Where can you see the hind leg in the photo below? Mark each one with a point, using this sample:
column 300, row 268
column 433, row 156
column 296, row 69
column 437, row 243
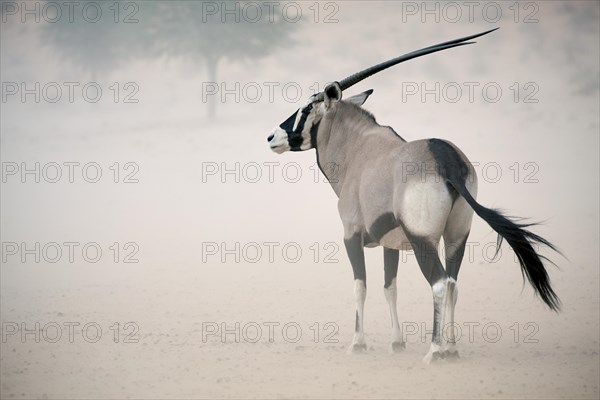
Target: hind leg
column 432, row 269
column 390, row 265
column 455, row 251
column 456, row 233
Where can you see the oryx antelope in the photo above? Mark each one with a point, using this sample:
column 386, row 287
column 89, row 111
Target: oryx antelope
column 402, row 195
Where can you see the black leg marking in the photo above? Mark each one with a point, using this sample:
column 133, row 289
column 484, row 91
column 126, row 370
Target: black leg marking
column 354, row 248
column 428, row 259
column 390, row 265
column 433, row 270
column 427, row 256
column 454, row 256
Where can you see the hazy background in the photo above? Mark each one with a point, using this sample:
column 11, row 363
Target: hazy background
column 175, row 210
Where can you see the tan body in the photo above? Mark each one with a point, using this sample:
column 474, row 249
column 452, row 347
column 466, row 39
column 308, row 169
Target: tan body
column 391, row 175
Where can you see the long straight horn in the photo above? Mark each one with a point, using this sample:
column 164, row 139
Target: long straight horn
column 354, row 79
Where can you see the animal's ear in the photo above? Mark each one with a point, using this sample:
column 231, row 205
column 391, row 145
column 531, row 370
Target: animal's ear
column 332, row 93
column 360, row 99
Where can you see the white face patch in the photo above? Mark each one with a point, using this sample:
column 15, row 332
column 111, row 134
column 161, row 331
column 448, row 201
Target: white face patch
column 298, row 116
column 279, row 143
column 306, row 145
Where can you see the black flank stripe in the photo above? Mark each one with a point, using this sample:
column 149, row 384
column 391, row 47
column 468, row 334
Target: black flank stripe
column 382, row 225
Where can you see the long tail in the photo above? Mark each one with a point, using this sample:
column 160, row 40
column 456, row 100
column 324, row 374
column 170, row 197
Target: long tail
column 521, row 241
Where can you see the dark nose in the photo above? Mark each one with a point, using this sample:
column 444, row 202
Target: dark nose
column 270, row 138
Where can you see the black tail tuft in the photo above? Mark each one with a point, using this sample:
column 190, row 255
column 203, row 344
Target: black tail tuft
column 521, row 240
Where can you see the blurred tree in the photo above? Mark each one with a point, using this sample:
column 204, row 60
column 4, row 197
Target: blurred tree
column 212, row 31
column 203, row 31
column 96, row 36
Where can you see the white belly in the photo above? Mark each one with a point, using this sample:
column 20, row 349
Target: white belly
column 395, row 239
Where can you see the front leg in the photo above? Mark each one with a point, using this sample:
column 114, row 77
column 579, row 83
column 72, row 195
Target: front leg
column 354, row 248
column 390, row 265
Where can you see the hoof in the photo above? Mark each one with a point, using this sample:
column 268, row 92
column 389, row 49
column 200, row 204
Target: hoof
column 397, row 347
column 433, row 357
column 357, row 348
column 437, row 356
column 451, row 356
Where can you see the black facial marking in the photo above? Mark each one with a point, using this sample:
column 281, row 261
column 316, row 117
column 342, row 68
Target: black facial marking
column 295, row 135
column 313, row 134
column 295, row 141
column 288, row 124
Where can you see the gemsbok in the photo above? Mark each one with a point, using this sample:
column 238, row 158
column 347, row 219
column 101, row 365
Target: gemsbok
column 403, row 195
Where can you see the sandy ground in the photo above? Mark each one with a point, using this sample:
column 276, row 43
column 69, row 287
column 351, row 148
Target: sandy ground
column 515, row 348
column 189, row 320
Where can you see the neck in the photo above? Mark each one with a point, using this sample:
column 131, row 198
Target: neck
column 337, row 140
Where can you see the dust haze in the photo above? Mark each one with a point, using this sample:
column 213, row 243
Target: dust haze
column 153, row 246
